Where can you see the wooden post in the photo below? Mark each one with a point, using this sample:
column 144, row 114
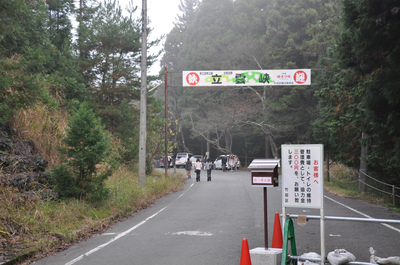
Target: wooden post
column 363, row 166
column 328, row 176
column 265, row 218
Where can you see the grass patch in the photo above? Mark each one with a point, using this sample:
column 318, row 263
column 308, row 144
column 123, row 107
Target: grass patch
column 344, row 182
column 32, row 225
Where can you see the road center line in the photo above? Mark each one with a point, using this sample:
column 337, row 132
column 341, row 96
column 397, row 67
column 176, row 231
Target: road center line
column 363, row 214
column 125, row 232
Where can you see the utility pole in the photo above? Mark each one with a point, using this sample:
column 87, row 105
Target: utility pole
column 143, row 100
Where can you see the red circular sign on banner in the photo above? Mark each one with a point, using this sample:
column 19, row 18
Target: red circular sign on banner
column 300, row 77
column 192, row 78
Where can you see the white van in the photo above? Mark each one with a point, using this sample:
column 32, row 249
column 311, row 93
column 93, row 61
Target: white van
column 181, row 158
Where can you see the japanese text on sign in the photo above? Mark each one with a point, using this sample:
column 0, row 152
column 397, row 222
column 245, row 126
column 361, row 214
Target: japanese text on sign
column 262, row 180
column 302, row 175
column 291, row 77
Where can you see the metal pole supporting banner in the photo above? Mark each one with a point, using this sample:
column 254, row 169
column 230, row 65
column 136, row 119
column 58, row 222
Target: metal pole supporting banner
column 143, row 100
column 166, row 165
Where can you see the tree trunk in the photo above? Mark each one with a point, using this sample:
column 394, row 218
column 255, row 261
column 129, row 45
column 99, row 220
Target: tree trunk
column 268, row 152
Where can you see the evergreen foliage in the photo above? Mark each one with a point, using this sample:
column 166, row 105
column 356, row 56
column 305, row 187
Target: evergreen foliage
column 362, row 94
column 252, row 35
column 42, row 62
column 351, row 45
column 21, row 31
column 85, row 146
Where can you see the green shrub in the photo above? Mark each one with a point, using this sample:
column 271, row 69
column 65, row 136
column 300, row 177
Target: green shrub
column 85, row 147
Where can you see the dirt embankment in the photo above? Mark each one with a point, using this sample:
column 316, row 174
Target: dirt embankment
column 22, row 168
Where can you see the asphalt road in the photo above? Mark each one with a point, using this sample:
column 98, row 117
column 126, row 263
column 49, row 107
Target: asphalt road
column 207, row 221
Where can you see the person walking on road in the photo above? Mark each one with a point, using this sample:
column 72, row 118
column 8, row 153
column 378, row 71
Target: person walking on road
column 223, row 163
column 231, row 163
column 236, row 162
column 197, row 168
column 188, row 167
column 209, row 167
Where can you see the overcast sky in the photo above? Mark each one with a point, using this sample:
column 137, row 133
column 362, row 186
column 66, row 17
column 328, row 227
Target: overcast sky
column 162, row 14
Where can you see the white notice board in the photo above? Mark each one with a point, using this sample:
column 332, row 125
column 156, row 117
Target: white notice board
column 302, row 176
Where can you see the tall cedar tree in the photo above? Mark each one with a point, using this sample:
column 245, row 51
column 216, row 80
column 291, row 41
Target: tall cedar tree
column 172, row 59
column 298, row 33
column 362, row 95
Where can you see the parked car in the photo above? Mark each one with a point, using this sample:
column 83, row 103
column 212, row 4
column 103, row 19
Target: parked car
column 195, row 157
column 181, row 159
column 156, row 162
column 161, row 161
column 218, row 162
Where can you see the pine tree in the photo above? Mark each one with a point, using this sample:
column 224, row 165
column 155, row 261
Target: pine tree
column 175, row 39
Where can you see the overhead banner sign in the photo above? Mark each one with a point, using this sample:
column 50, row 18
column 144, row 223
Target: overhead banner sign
column 292, row 77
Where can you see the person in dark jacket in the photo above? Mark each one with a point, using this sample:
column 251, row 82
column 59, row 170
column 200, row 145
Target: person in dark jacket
column 223, row 163
column 209, row 167
column 188, row 167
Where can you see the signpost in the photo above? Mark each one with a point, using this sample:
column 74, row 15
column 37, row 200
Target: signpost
column 303, row 181
column 264, row 173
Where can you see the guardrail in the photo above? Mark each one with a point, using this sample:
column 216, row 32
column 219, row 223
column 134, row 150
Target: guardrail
column 375, row 186
column 339, row 218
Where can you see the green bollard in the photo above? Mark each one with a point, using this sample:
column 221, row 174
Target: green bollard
column 288, row 234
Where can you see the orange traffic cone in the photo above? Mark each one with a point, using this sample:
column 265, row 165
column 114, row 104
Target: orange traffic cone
column 277, row 239
column 245, row 257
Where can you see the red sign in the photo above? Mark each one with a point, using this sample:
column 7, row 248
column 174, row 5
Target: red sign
column 192, row 78
column 300, row 77
column 262, row 180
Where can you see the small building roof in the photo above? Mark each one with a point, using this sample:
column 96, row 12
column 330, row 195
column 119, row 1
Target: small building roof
column 264, row 163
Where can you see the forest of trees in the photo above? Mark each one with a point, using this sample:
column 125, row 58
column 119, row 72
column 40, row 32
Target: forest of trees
column 61, row 53
column 66, row 54
column 352, row 47
column 249, row 35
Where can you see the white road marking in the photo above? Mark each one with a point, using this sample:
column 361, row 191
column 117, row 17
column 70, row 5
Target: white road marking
column 363, row 214
column 123, row 233
column 192, row 233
